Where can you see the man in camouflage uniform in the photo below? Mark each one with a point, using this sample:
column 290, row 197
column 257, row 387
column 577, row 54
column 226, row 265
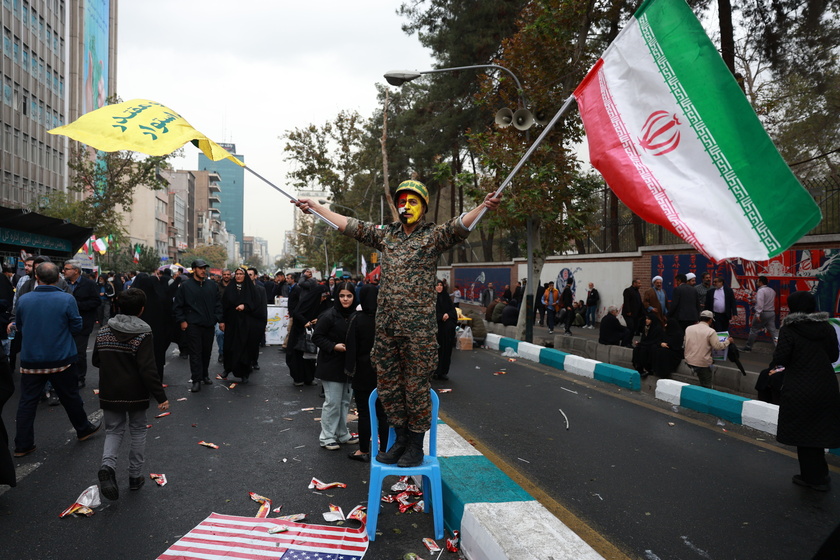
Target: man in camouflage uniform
column 405, row 350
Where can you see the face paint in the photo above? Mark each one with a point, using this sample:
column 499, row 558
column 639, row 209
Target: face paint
column 409, row 207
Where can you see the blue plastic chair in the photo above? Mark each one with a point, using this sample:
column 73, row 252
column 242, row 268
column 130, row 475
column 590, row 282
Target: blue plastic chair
column 429, row 470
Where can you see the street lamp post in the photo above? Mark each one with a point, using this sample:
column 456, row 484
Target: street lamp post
column 400, row 77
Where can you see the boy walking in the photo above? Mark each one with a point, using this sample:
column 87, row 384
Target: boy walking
column 124, row 354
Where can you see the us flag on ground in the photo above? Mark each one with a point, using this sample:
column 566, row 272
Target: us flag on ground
column 227, row 536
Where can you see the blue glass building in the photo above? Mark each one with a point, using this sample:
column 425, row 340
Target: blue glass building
column 232, row 206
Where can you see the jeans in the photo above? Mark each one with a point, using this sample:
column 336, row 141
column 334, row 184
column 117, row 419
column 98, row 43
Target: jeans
column 220, row 341
column 115, row 423
column 767, row 320
column 334, row 413
column 590, row 315
column 65, row 385
column 81, row 341
column 199, row 341
column 552, row 317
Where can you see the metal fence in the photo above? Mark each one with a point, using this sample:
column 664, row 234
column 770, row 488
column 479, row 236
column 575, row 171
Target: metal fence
column 617, row 229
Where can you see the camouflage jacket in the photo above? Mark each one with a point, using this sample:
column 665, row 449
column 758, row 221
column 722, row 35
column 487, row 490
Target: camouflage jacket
column 406, row 304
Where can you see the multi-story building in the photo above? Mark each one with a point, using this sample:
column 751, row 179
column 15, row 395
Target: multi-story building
column 149, row 219
column 232, row 204
column 207, row 200
column 58, row 62
column 182, row 215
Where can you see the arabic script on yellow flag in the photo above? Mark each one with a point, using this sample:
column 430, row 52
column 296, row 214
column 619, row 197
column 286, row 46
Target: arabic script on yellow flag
column 142, row 126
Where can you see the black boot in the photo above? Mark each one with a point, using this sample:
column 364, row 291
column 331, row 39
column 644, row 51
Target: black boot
column 393, row 455
column 413, row 456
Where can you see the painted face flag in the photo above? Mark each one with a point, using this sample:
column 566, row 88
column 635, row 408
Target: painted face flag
column 142, row 126
column 677, row 141
column 246, row 538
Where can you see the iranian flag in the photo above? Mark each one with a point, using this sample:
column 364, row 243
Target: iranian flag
column 676, row 140
column 137, row 254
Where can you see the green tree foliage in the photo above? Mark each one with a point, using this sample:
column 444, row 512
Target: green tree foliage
column 149, row 259
column 101, row 188
column 214, row 255
column 254, row 261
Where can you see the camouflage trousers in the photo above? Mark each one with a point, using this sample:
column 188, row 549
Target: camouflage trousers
column 404, row 367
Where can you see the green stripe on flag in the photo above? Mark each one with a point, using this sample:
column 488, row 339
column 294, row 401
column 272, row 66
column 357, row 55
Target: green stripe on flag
column 726, row 124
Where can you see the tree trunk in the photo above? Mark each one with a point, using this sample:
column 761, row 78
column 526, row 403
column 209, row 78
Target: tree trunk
column 614, row 239
column 533, row 286
column 727, row 40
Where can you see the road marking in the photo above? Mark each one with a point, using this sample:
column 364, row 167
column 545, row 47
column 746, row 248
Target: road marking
column 668, row 412
column 21, row 472
column 592, row 537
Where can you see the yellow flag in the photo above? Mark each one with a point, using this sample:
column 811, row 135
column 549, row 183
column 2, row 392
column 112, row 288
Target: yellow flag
column 142, row 126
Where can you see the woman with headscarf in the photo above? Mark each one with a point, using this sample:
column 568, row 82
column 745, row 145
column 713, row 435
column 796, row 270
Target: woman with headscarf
column 239, row 301
column 360, row 336
column 446, row 317
column 155, row 316
column 809, row 412
column 330, row 337
column 667, row 356
column 651, row 339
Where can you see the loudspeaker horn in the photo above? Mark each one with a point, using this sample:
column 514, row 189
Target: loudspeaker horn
column 504, row 118
column 541, row 117
column 523, row 119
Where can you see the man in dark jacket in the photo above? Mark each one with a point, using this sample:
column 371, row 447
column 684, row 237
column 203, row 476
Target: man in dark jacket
column 633, row 309
column 684, row 307
column 720, row 300
column 86, row 293
column 197, row 309
column 48, row 317
column 612, row 331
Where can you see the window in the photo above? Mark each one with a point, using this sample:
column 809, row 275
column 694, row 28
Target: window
column 7, row 42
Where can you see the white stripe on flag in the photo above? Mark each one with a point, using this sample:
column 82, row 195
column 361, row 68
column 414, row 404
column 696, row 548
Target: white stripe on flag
column 225, row 537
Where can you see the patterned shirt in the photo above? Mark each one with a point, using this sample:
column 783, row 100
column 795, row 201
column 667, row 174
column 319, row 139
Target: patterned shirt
column 406, row 301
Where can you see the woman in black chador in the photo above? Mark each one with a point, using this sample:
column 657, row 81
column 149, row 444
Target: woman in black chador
column 239, row 302
column 446, row 316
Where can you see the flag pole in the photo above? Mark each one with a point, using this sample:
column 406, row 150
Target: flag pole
column 269, row 183
column 537, row 142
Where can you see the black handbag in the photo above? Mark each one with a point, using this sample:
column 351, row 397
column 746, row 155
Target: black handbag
column 305, row 344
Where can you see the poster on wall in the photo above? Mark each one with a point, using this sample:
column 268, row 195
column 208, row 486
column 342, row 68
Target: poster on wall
column 278, row 322
column 95, row 67
column 814, row 270
column 473, row 281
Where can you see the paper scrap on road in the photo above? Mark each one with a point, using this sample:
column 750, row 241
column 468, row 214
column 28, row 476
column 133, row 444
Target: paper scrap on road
column 85, row 503
column 294, row 517
column 182, row 399
column 208, row 444
column 565, row 417
column 160, row 479
column 318, row 485
column 444, row 390
column 163, row 414
column 569, row 390
column 335, row 514
column 265, row 504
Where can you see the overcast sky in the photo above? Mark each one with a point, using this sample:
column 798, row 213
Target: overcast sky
column 245, row 72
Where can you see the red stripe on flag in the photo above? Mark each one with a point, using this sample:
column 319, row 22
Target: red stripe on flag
column 614, row 154
column 247, row 538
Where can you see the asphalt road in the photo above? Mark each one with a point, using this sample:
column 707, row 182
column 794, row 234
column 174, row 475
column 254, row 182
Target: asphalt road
column 621, row 474
column 267, row 444
column 654, row 482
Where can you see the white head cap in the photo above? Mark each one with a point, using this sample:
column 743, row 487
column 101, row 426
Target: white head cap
column 690, row 276
column 655, row 278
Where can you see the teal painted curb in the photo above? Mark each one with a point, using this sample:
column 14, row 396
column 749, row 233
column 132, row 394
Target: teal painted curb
column 474, row 479
column 505, row 342
column 709, row 401
column 617, row 375
column 553, row 358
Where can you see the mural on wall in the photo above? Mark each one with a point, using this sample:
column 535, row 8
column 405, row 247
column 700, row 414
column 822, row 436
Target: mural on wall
column 815, row 270
column 472, row 281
